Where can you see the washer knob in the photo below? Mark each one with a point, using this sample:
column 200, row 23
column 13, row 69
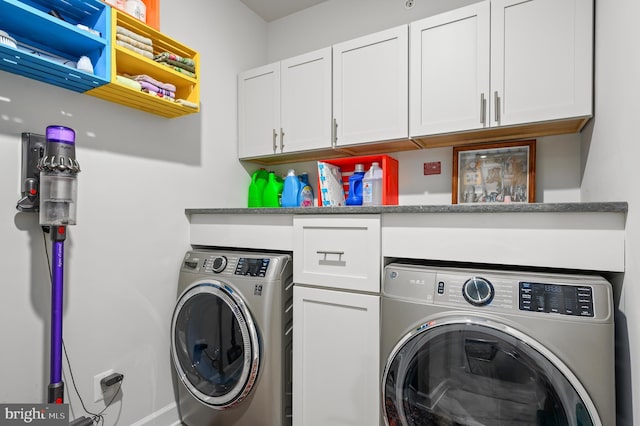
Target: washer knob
column 478, row 291
column 219, row 263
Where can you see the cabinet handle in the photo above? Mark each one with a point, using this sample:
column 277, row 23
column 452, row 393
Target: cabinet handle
column 281, row 140
column 334, row 133
column 325, row 261
column 483, row 109
column 496, row 99
column 275, row 141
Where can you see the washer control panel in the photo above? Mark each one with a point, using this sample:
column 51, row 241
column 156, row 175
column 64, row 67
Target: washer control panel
column 233, row 264
column 254, row 267
column 554, row 298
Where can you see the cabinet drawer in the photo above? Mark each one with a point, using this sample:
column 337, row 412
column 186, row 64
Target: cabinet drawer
column 338, row 251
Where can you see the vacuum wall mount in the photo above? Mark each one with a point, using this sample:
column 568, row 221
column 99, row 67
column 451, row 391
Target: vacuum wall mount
column 33, row 148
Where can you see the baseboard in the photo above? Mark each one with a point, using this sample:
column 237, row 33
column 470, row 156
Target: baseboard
column 165, row 416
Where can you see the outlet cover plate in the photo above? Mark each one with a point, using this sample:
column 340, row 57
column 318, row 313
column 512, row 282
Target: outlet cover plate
column 98, row 394
column 432, row 168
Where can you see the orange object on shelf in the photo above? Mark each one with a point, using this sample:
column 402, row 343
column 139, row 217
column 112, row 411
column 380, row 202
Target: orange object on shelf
column 389, row 166
column 152, row 11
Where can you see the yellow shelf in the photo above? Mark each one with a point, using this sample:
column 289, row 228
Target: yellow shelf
column 124, row 95
column 125, row 61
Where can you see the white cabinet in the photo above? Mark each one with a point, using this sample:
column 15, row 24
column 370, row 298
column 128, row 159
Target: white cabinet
column 336, row 360
column 370, row 87
column 541, row 60
column 306, row 101
column 337, row 251
column 449, row 71
column 493, row 70
column 353, row 93
column 286, row 106
column 259, row 111
column 501, row 63
column 336, row 316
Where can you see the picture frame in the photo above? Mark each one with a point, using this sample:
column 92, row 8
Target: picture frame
column 502, row 172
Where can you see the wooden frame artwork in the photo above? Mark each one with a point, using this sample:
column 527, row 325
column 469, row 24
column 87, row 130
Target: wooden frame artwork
column 494, row 173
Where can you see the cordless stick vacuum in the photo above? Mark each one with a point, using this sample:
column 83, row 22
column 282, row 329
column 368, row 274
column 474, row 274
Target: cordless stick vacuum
column 58, row 190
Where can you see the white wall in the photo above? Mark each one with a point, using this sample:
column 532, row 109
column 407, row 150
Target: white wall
column 335, row 21
column 610, row 154
column 139, row 173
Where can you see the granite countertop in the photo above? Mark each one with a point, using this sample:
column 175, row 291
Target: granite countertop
column 611, row 207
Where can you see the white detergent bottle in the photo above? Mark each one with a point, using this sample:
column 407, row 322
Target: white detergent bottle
column 372, row 186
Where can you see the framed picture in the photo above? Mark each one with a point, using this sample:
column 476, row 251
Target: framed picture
column 494, row 173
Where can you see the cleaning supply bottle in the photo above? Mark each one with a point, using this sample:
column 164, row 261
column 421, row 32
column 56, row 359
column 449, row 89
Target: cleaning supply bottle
column 291, row 190
column 355, row 187
column 372, row 186
column 305, row 196
column 256, row 188
column 272, row 191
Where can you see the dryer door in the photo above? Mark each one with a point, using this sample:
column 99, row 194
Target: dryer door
column 214, row 344
column 470, row 371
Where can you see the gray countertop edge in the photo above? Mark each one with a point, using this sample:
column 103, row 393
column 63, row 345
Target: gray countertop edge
column 597, row 207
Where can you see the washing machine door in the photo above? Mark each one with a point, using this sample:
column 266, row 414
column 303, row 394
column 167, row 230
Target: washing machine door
column 215, row 344
column 467, row 371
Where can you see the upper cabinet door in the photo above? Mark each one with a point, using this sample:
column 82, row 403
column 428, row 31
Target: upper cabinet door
column 449, row 71
column 370, row 87
column 259, row 111
column 306, row 101
column 541, row 60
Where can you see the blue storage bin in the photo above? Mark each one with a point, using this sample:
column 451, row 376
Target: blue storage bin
column 49, row 47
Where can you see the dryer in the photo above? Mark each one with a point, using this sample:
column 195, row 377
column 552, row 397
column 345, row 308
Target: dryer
column 496, row 347
column 231, row 338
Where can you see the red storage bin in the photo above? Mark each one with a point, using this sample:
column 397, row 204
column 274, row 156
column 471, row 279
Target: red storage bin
column 389, row 167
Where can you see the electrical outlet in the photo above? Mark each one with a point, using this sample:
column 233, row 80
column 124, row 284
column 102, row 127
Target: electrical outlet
column 432, row 168
column 98, row 394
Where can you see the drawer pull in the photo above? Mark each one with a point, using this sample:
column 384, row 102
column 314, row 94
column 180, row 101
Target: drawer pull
column 331, row 262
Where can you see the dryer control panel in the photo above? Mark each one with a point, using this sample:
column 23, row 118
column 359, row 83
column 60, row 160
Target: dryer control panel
column 573, row 296
column 557, row 299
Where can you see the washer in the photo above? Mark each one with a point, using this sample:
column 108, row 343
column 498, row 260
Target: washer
column 231, row 339
column 493, row 347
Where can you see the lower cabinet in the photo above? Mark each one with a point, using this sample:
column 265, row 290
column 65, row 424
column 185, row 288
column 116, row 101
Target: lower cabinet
column 336, row 361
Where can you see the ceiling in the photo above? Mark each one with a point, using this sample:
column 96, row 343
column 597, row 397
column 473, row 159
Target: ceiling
column 270, row 10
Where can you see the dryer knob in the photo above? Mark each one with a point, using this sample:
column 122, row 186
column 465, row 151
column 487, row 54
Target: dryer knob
column 219, row 263
column 478, row 291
